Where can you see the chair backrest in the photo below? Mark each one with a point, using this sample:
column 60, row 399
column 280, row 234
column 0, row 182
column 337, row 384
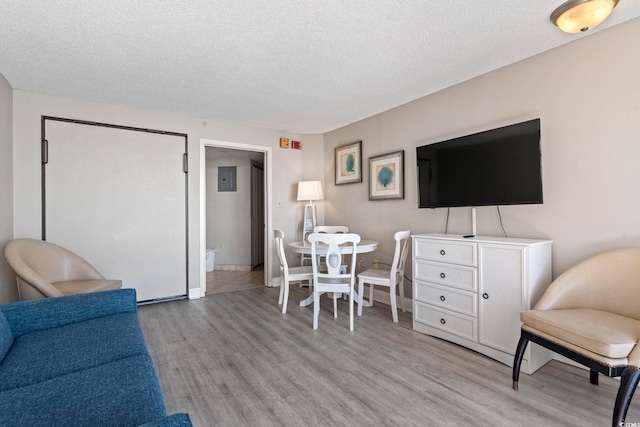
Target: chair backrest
column 608, row 282
column 333, row 256
column 279, row 236
column 331, row 229
column 400, row 255
column 39, row 263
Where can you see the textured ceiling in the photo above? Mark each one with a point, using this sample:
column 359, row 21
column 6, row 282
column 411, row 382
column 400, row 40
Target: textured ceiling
column 289, row 65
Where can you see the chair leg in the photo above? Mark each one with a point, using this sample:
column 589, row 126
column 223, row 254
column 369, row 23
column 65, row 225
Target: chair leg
column 394, row 308
column 351, row 311
column 335, row 305
column 285, row 298
column 517, row 360
column 628, row 383
column 281, row 292
column 360, row 296
column 402, row 303
column 370, row 295
column 316, row 309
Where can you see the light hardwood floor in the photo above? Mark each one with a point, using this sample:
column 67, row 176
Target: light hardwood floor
column 234, row 360
column 220, row 281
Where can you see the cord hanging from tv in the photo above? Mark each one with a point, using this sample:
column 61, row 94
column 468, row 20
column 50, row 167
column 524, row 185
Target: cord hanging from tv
column 500, row 166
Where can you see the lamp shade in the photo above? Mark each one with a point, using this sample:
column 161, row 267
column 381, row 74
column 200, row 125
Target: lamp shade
column 309, row 190
column 575, row 16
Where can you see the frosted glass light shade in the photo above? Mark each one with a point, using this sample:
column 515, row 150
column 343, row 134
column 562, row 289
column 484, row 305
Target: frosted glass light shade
column 309, row 190
column 575, row 16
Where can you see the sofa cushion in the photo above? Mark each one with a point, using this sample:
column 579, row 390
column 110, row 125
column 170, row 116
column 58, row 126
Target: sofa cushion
column 176, row 420
column 607, row 334
column 121, row 393
column 48, row 353
column 71, row 287
column 6, row 337
column 30, row 316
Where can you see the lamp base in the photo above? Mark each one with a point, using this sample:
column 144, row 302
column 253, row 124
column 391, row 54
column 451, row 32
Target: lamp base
column 310, row 221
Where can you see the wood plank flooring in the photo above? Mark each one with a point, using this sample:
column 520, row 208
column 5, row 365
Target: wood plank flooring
column 220, row 281
column 234, row 360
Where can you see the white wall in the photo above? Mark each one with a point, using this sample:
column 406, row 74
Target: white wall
column 28, row 108
column 306, row 164
column 587, row 96
column 8, row 291
column 229, row 213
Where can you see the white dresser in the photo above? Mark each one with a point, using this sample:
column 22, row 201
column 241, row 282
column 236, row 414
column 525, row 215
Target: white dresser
column 471, row 291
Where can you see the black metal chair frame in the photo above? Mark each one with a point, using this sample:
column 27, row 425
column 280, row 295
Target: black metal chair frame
column 629, row 376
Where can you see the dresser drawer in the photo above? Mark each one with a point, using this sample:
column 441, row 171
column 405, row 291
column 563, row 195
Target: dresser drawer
column 456, row 324
column 441, row 251
column 454, row 300
column 446, row 274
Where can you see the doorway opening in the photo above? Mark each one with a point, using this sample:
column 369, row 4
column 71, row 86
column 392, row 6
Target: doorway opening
column 235, row 216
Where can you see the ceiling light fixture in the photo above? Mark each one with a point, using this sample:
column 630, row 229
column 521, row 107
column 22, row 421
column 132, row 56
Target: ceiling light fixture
column 575, row 16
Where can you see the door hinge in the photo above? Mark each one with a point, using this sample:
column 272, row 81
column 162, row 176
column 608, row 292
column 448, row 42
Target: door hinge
column 185, row 163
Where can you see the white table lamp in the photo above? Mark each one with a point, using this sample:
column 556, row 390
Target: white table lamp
column 309, row 190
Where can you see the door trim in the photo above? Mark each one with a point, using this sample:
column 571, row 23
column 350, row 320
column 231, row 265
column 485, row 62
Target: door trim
column 267, row 151
column 257, row 228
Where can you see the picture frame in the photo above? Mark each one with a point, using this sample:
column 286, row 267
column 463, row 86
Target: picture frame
column 386, row 176
column 348, row 163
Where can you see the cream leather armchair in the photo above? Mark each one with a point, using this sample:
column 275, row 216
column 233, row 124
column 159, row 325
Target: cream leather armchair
column 591, row 314
column 47, row 270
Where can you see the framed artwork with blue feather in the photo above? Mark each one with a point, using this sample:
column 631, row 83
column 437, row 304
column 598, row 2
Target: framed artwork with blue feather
column 349, row 163
column 386, row 176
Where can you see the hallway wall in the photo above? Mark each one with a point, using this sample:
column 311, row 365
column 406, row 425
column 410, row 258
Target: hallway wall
column 229, row 212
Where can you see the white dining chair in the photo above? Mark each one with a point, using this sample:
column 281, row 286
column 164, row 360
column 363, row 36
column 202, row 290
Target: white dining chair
column 332, row 229
column 393, row 278
column 333, row 280
column 289, row 274
column 325, row 229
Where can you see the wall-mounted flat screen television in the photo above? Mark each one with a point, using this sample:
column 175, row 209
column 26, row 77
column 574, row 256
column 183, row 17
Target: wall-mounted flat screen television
column 496, row 167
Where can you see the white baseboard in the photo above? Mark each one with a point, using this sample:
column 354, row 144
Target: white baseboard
column 382, row 296
column 195, row 293
column 232, row 267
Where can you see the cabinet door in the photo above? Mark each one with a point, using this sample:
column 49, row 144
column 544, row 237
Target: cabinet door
column 501, row 286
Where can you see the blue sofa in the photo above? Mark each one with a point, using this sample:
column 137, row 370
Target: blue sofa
column 78, row 360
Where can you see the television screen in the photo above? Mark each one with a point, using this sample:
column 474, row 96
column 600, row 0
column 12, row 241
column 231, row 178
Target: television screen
column 496, row 167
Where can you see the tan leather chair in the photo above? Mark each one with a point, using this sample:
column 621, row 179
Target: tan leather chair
column 591, row 314
column 47, row 270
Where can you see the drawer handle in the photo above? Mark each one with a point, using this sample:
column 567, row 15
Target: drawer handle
column 485, row 295
column 443, row 321
column 442, row 252
column 442, row 275
column 442, row 298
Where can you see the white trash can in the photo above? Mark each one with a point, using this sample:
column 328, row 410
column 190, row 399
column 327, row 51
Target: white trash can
column 211, row 260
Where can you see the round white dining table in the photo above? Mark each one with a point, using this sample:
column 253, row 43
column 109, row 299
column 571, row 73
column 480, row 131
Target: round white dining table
column 364, row 246
column 303, row 247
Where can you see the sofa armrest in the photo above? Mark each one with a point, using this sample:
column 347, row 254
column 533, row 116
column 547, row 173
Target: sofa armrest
column 176, row 420
column 29, row 316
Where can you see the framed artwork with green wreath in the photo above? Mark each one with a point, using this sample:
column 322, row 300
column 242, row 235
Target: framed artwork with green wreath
column 349, row 163
column 386, row 180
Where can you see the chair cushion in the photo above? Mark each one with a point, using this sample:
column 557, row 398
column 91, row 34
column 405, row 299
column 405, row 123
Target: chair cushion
column 300, row 273
column 71, row 287
column 375, row 274
column 6, row 337
column 600, row 332
column 49, row 353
